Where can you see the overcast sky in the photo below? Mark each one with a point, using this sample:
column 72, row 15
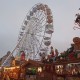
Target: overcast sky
column 13, row 12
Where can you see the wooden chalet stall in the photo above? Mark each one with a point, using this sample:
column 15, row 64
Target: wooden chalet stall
column 36, row 70
column 11, row 72
column 31, row 70
column 62, row 70
column 68, row 70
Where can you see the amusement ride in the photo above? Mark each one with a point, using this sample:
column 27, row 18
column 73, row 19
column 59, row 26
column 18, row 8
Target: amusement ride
column 34, row 42
column 36, row 32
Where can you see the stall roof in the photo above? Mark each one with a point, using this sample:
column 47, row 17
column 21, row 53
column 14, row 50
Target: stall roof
column 32, row 62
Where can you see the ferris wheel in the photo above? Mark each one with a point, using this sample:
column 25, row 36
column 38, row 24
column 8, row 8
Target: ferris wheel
column 36, row 32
